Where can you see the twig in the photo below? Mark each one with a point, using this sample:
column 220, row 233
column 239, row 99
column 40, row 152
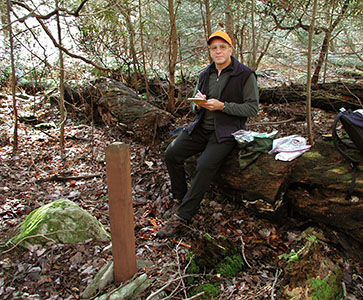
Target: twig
column 152, row 295
column 277, row 274
column 195, row 296
column 344, row 291
column 179, row 269
column 274, row 123
column 354, row 95
column 39, row 235
column 65, row 178
column 243, row 253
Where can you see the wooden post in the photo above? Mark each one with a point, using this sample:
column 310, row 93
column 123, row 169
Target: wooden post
column 121, row 212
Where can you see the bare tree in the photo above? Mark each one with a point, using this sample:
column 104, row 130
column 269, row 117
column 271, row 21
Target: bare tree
column 254, row 51
column 13, row 77
column 126, row 10
column 173, row 55
column 47, row 31
column 206, row 17
column 143, row 51
column 228, row 13
column 61, row 85
column 309, row 79
column 292, row 15
column 327, row 35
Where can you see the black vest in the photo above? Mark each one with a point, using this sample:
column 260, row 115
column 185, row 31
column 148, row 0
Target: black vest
column 225, row 124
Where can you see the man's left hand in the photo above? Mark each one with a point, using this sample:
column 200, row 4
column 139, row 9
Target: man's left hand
column 212, row 104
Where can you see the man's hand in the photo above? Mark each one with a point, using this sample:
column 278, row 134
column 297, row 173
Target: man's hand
column 212, row 104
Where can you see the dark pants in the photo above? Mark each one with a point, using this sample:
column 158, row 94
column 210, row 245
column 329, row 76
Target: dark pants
column 211, row 158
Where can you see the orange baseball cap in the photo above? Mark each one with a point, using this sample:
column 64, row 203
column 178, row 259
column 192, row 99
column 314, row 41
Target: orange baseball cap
column 220, row 34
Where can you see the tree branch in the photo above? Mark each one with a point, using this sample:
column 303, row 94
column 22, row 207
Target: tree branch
column 40, row 19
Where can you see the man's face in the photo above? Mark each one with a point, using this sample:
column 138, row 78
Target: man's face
column 220, row 52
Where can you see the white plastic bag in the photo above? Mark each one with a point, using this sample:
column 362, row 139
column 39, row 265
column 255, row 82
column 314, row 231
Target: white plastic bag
column 290, row 147
column 245, row 136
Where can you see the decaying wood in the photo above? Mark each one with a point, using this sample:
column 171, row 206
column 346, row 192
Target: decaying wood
column 262, row 183
column 314, row 186
column 318, row 188
column 120, row 106
column 328, row 96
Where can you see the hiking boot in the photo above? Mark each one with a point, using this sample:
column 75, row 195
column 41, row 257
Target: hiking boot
column 172, row 211
column 171, row 227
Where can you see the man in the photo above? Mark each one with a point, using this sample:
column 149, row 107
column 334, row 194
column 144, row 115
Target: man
column 232, row 95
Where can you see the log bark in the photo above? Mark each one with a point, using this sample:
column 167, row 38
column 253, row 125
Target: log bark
column 311, row 188
column 260, row 186
column 317, row 191
column 329, row 96
column 120, row 107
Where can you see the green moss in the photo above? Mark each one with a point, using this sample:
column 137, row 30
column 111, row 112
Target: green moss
column 211, row 291
column 230, row 266
column 309, row 273
column 328, row 288
column 59, row 221
column 313, row 155
column 193, row 267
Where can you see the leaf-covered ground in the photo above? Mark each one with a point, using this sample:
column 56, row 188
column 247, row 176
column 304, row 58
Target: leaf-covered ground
column 33, row 177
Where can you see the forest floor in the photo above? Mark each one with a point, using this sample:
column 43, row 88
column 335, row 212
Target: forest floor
column 63, row 271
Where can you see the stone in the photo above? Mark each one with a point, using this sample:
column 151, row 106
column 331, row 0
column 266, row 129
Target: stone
column 60, row 221
column 102, row 278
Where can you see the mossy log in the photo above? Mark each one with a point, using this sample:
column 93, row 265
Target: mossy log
column 312, row 187
column 318, row 188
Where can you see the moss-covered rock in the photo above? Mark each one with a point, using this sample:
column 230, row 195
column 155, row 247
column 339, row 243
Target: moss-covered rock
column 61, row 221
column 310, row 273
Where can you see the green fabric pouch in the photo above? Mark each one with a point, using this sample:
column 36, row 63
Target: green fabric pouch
column 250, row 151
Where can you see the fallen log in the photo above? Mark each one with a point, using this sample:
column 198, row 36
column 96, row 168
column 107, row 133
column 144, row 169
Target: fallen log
column 119, row 106
column 317, row 191
column 312, row 187
column 328, row 96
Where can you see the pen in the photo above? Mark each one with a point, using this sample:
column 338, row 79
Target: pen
column 198, row 91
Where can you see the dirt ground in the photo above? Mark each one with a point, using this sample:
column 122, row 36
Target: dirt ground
column 63, row 271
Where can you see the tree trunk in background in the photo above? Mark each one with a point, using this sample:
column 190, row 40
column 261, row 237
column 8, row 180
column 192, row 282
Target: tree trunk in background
column 325, row 46
column 13, row 77
column 264, row 51
column 61, row 87
column 205, row 11
column 229, row 19
column 3, row 12
column 132, row 47
column 308, row 85
column 208, row 17
column 173, row 55
column 143, row 53
column 253, row 60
